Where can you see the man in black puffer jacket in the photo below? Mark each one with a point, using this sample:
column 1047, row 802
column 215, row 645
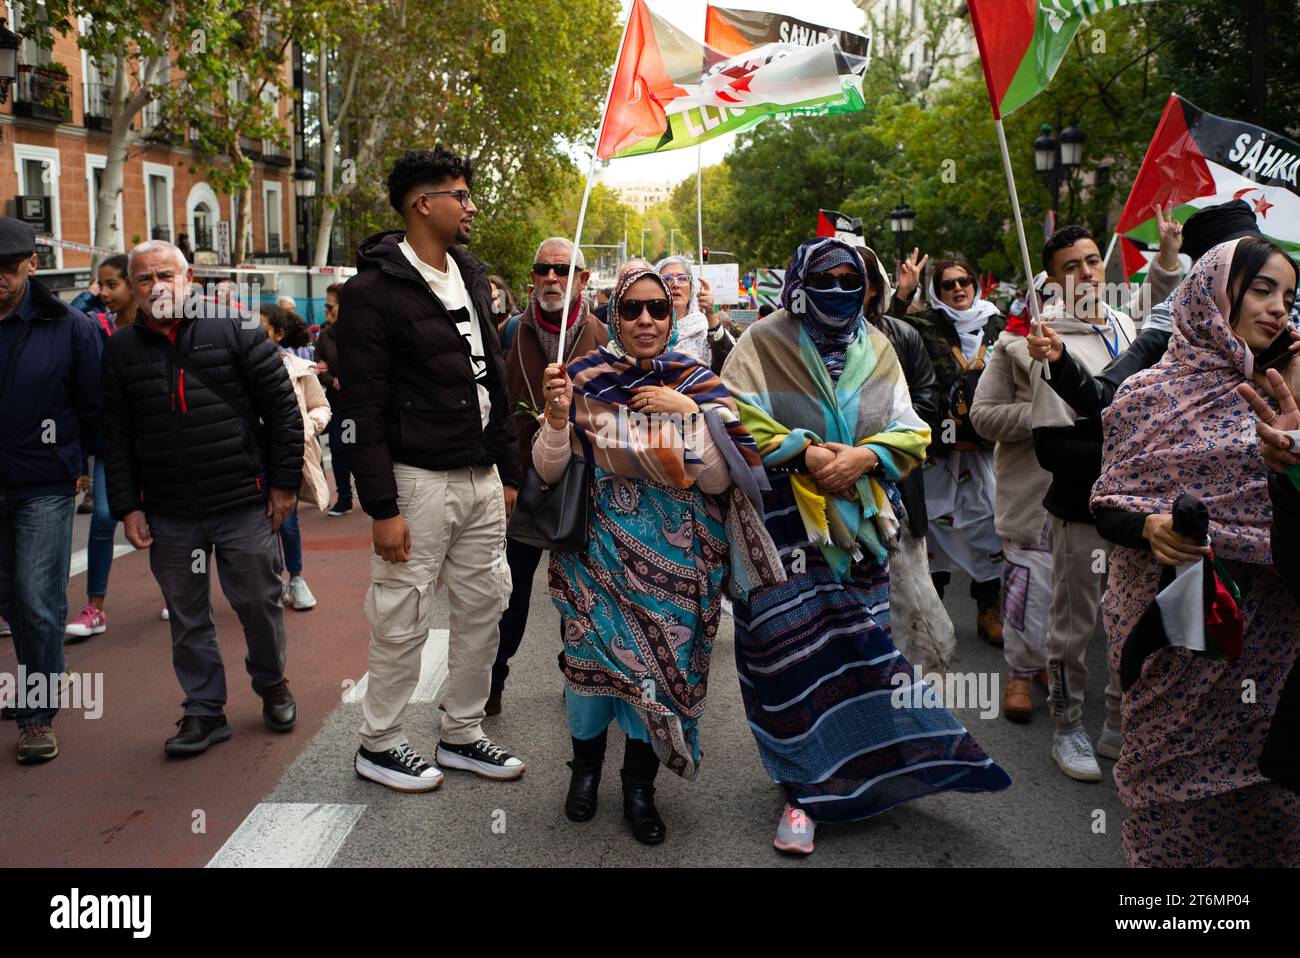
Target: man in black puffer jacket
column 204, row 449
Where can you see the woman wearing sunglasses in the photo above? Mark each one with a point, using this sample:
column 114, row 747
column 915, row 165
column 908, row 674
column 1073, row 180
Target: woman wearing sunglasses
column 841, row 721
column 674, row 510
column 960, row 329
column 701, row 333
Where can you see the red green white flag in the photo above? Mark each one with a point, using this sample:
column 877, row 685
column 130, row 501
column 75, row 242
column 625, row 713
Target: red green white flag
column 1022, row 42
column 1197, row 159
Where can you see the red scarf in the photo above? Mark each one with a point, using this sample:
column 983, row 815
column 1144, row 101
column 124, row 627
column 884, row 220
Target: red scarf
column 554, row 328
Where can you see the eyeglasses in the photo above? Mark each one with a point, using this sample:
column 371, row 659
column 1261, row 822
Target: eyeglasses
column 948, row 285
column 677, row 279
column 852, row 281
column 462, row 195
column 544, row 269
column 630, row 310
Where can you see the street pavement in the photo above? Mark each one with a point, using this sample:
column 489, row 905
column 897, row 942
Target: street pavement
column 112, row 798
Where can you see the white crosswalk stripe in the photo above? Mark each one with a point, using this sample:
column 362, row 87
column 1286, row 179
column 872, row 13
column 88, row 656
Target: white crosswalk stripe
column 288, row 835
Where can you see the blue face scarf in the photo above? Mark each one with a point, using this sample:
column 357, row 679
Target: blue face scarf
column 835, row 308
column 833, row 317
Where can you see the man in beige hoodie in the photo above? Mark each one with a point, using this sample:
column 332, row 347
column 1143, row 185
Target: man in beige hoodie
column 1001, row 412
column 1069, row 447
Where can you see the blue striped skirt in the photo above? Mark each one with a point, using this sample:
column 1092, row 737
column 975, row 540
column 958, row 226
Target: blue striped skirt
column 829, row 698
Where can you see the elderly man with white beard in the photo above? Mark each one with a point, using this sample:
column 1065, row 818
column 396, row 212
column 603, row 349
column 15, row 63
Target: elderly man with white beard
column 534, row 347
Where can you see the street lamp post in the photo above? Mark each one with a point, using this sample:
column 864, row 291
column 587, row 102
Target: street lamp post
column 672, row 246
column 902, row 220
column 644, row 230
column 1056, row 161
column 304, row 188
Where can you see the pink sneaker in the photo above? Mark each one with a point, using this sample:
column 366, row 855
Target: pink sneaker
column 794, row 834
column 90, row 622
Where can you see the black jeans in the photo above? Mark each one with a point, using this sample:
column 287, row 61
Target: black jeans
column 523, row 560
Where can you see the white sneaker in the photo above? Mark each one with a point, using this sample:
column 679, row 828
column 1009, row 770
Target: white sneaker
column 1110, row 742
column 299, row 595
column 794, row 834
column 400, row 768
column 1073, row 753
column 165, row 616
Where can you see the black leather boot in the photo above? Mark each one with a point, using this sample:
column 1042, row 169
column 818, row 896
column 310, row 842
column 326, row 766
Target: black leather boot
column 580, row 803
column 588, row 759
column 639, row 810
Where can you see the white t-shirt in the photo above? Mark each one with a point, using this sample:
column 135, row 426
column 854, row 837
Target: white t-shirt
column 450, row 290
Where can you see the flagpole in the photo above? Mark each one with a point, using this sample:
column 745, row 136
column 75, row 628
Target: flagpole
column 699, row 204
column 586, row 191
column 1020, row 234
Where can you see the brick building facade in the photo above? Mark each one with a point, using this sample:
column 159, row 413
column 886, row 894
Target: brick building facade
column 54, row 135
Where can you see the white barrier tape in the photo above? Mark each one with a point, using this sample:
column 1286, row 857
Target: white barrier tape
column 76, row 247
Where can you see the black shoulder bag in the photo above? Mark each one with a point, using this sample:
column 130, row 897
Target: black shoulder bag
column 554, row 515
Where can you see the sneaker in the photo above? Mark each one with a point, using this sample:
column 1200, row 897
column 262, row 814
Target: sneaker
column 1073, row 753
column 299, row 595
column 166, row 616
column 5, row 629
column 90, row 621
column 1110, row 743
column 400, row 769
column 36, row 743
column 795, row 832
column 195, row 733
column 339, row 509
column 482, row 758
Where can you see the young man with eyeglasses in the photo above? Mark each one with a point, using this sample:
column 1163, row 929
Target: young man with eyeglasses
column 49, row 394
column 534, row 346
column 1069, row 447
column 436, row 467
column 327, row 365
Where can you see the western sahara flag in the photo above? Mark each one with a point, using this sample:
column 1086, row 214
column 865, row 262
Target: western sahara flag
column 1022, row 42
column 840, row 226
column 1195, row 609
column 1197, row 159
column 672, row 92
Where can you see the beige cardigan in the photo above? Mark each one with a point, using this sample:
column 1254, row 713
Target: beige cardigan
column 315, row 411
column 1000, row 412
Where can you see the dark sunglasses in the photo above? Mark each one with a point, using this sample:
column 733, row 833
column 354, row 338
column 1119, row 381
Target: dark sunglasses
column 948, row 285
column 541, row 269
column 830, row 281
column 630, row 310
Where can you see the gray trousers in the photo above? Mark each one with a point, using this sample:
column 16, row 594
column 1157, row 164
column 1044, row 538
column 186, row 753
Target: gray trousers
column 249, row 569
column 1079, row 556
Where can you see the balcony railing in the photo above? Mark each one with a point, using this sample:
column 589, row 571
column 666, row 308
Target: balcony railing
column 97, row 106
column 203, row 238
column 273, row 242
column 43, row 93
column 161, row 233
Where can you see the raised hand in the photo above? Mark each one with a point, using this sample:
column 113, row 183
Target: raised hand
column 909, row 274
column 1171, row 237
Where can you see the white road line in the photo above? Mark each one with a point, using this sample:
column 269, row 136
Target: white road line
column 80, row 562
column 433, row 672
column 288, row 835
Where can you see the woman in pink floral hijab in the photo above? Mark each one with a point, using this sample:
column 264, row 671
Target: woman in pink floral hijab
column 1194, row 726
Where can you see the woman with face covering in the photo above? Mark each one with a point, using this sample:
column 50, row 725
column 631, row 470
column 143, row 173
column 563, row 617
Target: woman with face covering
column 700, row 331
column 842, row 722
column 674, row 512
column 960, row 329
column 1195, row 723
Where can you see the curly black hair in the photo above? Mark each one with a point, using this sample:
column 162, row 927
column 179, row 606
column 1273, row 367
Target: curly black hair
column 430, row 168
column 1063, row 238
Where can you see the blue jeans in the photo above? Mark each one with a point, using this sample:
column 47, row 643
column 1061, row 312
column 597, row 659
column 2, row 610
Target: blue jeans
column 291, row 542
column 35, row 554
column 99, row 545
column 338, row 454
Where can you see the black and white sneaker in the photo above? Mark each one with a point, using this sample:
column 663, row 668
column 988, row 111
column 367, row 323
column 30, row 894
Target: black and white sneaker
column 339, row 509
column 482, row 758
column 400, row 769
